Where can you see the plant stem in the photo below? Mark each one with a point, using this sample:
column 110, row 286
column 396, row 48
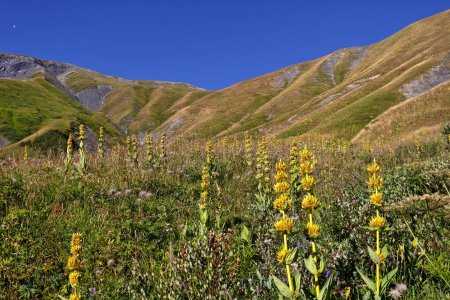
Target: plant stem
column 288, row 269
column 378, row 264
column 313, row 246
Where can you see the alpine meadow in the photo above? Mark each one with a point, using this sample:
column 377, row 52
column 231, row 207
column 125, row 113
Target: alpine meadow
column 327, row 179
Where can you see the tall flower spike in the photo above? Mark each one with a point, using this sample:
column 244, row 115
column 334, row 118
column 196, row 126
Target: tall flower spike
column 285, row 225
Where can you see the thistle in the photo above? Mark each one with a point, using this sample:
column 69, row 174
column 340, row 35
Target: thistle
column 285, row 227
column 100, row 143
column 377, row 224
column 74, row 264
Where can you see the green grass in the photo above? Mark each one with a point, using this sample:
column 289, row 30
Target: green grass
column 137, row 247
column 29, row 105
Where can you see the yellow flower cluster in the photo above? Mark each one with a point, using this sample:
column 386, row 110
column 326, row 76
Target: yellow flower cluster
column 248, row 149
column 310, row 202
column 162, row 146
column 282, row 202
column 100, row 142
column 377, row 222
column 209, row 152
column 293, row 154
column 282, row 254
column 204, row 188
column 284, row 225
column 74, row 263
column 375, row 184
column 135, row 147
column 149, row 147
column 69, row 147
column 312, row 230
column 262, row 164
column 82, row 136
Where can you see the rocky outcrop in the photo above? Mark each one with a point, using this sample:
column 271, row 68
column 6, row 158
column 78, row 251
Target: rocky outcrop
column 21, row 66
column 356, row 55
column 93, row 98
column 427, row 81
column 3, row 141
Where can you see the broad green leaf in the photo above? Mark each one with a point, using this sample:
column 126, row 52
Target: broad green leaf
column 385, row 252
column 290, row 256
column 367, row 295
column 321, row 265
column 282, row 287
column 323, row 293
column 386, row 280
column 311, row 265
column 246, row 235
column 297, row 280
column 366, row 279
column 373, row 255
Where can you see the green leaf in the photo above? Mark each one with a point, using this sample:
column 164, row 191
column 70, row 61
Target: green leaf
column 204, row 216
column 311, row 265
column 290, row 256
column 373, row 255
column 321, row 265
column 246, row 235
column 297, row 280
column 367, row 296
column 384, row 251
column 369, row 228
column 386, row 280
column 323, row 293
column 366, row 279
column 282, row 287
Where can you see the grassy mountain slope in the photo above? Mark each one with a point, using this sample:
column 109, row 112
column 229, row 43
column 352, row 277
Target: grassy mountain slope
column 339, row 95
column 35, row 112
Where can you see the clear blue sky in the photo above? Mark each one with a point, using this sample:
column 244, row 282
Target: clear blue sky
column 210, row 43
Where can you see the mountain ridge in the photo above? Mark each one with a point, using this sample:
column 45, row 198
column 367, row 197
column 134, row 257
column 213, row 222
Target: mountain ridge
column 335, row 96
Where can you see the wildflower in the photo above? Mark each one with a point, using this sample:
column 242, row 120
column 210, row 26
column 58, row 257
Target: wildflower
column 281, row 187
column 280, row 176
column 282, row 202
column 305, row 155
column 82, row 136
column 74, row 297
column 282, row 254
column 374, row 168
column 377, row 222
column 75, row 244
column 72, row 263
column 308, row 183
column 312, row 230
column 306, row 167
column 310, row 202
column 415, row 242
column 376, row 199
column 375, row 182
column 284, row 225
column 74, row 278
